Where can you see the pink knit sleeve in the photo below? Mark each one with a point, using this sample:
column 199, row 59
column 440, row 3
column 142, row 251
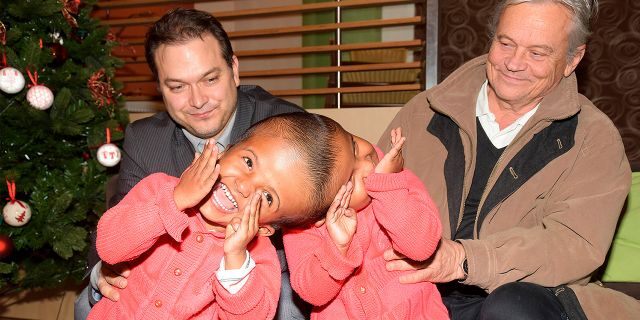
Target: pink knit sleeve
column 317, row 268
column 134, row 225
column 258, row 298
column 405, row 210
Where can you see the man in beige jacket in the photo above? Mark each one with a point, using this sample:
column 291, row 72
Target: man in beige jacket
column 529, row 176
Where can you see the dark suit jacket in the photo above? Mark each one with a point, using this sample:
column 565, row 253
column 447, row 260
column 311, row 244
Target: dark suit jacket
column 157, row 144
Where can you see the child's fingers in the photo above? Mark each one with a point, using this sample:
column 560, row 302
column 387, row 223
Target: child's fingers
column 209, row 147
column 195, row 157
column 256, row 203
column 349, row 193
column 337, row 200
column 394, row 136
column 399, row 144
column 206, row 167
column 210, row 176
column 346, row 196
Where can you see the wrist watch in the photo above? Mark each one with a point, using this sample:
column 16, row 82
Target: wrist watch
column 465, row 269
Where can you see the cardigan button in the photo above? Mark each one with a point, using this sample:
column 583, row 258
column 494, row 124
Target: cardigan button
column 199, row 238
column 363, row 290
column 177, row 271
column 158, row 303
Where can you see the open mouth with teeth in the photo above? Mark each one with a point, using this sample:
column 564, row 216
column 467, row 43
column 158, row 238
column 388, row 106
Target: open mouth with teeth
column 223, row 199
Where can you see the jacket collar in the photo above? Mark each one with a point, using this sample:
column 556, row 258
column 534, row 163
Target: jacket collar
column 244, row 112
column 457, row 94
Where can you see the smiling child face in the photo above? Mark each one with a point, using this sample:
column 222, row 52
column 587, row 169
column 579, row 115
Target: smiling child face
column 264, row 163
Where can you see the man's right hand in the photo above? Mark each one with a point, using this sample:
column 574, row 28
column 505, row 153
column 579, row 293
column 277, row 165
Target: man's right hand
column 112, row 278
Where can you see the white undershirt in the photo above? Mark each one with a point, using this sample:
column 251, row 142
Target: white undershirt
column 499, row 138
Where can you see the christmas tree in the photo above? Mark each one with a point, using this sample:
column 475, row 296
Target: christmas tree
column 58, row 107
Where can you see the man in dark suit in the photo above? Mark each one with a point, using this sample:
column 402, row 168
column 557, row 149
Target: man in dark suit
column 191, row 58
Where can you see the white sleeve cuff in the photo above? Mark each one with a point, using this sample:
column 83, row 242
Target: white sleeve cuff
column 95, row 275
column 234, row 280
column 94, row 293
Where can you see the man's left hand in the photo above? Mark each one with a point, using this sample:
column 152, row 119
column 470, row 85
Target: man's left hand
column 443, row 266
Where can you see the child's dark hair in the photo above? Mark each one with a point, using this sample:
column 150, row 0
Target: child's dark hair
column 312, row 136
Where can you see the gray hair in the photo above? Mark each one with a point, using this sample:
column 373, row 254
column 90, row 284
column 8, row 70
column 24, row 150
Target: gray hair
column 582, row 11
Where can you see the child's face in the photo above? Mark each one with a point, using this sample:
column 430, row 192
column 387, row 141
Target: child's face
column 357, row 158
column 264, row 163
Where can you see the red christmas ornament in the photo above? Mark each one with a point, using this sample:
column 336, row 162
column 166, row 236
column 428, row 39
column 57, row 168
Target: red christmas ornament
column 39, row 96
column 70, row 9
column 101, row 90
column 3, row 33
column 59, row 53
column 109, row 154
column 6, row 246
column 16, row 213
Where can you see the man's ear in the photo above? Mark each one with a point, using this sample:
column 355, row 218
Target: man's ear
column 319, row 223
column 236, row 70
column 266, row 230
column 573, row 61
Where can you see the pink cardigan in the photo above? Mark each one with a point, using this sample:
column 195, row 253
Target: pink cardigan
column 357, row 286
column 174, row 261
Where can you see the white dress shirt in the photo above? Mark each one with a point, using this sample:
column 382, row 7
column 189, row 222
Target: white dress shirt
column 499, row 138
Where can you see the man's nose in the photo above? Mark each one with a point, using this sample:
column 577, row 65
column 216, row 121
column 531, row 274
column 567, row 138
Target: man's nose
column 516, row 61
column 198, row 98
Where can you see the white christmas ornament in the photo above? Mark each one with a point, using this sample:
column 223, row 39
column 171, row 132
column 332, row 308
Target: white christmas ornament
column 109, row 155
column 11, row 80
column 16, row 213
column 40, row 97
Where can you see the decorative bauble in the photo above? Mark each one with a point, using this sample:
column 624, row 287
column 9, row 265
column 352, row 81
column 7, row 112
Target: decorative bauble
column 6, row 246
column 109, row 155
column 11, row 80
column 16, row 213
column 59, row 53
column 40, row 97
column 82, row 33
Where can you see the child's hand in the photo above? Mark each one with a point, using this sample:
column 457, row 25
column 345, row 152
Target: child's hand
column 240, row 233
column 341, row 220
column 198, row 179
column 393, row 161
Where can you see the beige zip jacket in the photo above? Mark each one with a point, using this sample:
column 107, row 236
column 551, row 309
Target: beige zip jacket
column 552, row 202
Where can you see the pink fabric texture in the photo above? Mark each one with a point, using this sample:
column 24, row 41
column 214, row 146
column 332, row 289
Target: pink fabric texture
column 357, row 286
column 174, row 259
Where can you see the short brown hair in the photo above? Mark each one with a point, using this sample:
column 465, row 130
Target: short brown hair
column 180, row 25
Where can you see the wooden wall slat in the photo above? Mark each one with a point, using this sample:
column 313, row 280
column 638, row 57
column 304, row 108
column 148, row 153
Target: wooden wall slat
column 325, row 27
column 410, row 44
column 320, row 70
column 301, row 71
column 303, row 92
column 140, row 3
column 318, row 91
column 271, row 11
column 308, row 29
column 129, row 21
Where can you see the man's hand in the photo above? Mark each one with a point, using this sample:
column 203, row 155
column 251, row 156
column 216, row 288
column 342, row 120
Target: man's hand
column 393, row 162
column 240, row 233
column 198, row 179
column 341, row 220
column 113, row 278
column 443, row 266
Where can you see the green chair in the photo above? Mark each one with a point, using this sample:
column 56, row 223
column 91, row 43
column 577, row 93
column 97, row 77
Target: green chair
column 622, row 271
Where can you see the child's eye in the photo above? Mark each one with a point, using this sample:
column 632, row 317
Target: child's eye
column 268, row 197
column 248, row 162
